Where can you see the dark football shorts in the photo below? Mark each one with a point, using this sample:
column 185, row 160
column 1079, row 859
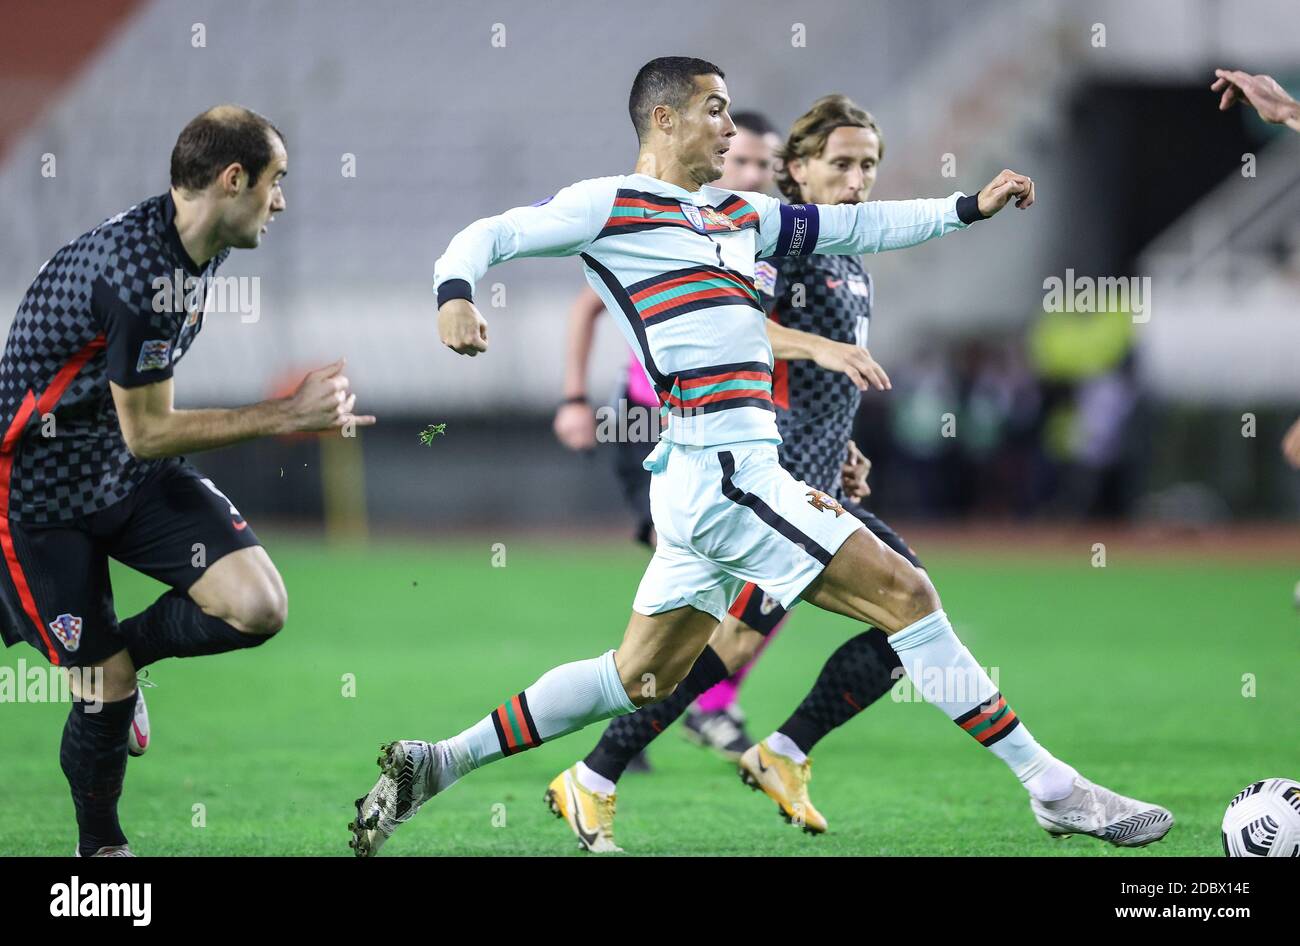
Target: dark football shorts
column 54, row 585
column 763, row 613
column 632, row 476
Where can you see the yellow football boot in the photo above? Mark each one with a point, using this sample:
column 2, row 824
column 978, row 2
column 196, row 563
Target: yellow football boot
column 590, row 814
column 785, row 782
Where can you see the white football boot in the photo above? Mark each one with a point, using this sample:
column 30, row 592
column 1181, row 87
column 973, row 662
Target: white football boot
column 408, row 778
column 1100, row 813
column 108, row 850
column 137, row 739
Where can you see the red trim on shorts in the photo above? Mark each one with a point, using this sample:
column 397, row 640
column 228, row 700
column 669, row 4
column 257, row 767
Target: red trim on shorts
column 39, row 405
column 737, row 609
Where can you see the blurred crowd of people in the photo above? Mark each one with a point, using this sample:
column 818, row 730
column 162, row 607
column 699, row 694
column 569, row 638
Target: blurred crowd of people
column 1016, row 425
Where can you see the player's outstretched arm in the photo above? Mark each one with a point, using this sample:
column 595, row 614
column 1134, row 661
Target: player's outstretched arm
column 790, row 344
column 561, row 226
column 879, row 225
column 152, row 427
column 1263, row 93
column 575, row 423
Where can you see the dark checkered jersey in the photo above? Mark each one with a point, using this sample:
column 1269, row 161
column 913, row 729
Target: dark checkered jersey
column 121, row 303
column 829, row 296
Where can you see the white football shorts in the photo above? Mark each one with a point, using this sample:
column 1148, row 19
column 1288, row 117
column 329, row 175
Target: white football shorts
column 726, row 515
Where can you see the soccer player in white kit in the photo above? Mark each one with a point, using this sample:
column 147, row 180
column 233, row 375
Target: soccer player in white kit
column 673, row 259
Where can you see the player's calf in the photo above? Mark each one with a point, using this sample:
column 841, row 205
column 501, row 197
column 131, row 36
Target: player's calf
column 93, row 752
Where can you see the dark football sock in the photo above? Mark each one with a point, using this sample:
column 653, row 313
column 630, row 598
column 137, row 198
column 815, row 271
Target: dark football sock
column 626, row 736
column 174, row 626
column 93, row 758
column 860, row 672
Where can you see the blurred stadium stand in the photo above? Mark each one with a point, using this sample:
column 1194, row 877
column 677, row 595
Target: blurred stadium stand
column 445, row 128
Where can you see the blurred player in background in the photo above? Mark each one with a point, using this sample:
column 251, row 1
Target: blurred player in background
column 750, row 165
column 1275, row 105
column 91, row 464
column 675, row 258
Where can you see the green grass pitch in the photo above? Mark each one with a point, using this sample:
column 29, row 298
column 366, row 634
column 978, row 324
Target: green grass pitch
column 1133, row 673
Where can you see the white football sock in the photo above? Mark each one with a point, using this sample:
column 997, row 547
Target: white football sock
column 563, row 700
column 783, row 745
column 943, row 671
column 594, row 781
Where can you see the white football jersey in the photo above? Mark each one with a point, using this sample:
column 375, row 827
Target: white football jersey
column 676, row 270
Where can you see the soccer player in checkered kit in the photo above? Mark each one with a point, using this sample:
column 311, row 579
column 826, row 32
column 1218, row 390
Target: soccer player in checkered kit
column 92, row 465
column 674, row 259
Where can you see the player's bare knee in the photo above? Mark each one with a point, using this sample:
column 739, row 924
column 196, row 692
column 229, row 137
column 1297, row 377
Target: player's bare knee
column 265, row 612
column 651, row 684
column 735, row 643
column 268, row 606
column 109, row 681
column 258, row 610
column 917, row 595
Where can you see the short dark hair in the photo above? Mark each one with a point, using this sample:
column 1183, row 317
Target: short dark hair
column 220, row 137
column 668, row 80
column 754, row 122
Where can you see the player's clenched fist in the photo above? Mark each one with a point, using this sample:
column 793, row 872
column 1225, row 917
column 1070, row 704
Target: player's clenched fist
column 853, row 473
column 575, row 426
column 1002, row 188
column 462, row 328
column 323, row 401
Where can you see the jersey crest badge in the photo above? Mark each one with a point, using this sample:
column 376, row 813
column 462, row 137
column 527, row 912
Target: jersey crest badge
column 693, row 216
column 67, row 628
column 154, row 354
column 767, row 605
column 819, row 501
column 719, row 219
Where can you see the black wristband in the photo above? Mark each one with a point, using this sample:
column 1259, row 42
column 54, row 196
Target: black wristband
column 968, row 209
column 576, row 399
column 455, row 289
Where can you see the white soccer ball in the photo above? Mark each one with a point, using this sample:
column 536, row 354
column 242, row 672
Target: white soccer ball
column 1264, row 820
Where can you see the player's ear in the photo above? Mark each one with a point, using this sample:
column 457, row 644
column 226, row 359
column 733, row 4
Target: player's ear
column 797, row 170
column 231, row 179
column 661, row 116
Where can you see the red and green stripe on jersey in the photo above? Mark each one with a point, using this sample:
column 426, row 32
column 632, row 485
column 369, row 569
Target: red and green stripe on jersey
column 721, row 387
column 514, row 725
column 989, row 721
column 675, row 293
column 739, row 211
column 634, row 211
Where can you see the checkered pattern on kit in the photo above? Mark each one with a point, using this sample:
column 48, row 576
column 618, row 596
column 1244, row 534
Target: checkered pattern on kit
column 99, row 284
column 817, row 422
